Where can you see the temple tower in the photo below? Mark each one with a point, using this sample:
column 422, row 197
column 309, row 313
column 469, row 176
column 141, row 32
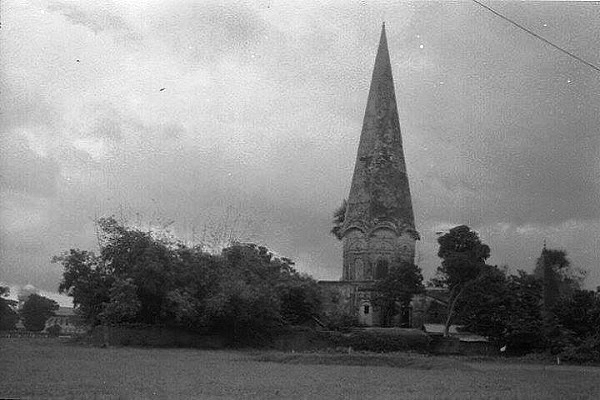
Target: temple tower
column 379, row 223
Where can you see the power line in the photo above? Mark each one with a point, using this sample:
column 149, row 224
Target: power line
column 538, row 36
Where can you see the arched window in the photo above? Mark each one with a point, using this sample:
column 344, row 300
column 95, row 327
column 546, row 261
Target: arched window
column 381, row 270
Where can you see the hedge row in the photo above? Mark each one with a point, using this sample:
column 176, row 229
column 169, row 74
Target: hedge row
column 379, row 340
column 152, row 336
column 375, row 340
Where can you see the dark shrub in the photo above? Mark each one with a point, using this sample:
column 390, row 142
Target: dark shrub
column 54, row 330
column 380, row 340
column 153, row 336
column 340, row 321
column 586, row 352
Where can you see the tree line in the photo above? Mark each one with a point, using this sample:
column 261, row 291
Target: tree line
column 546, row 310
column 244, row 293
column 247, row 294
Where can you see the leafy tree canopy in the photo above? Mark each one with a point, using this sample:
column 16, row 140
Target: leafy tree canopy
column 524, row 324
column 396, row 289
column 484, row 308
column 339, row 216
column 36, row 311
column 143, row 278
column 8, row 316
column 559, row 277
column 463, row 259
column 463, row 254
column 579, row 315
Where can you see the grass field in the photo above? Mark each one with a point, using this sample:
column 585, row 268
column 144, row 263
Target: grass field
column 48, row 368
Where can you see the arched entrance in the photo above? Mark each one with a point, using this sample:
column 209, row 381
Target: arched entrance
column 365, row 313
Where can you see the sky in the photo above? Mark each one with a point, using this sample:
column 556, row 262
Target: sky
column 244, row 117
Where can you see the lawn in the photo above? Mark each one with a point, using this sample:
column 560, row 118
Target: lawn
column 49, row 368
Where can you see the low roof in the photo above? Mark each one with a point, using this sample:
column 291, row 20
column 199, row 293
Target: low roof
column 440, row 294
column 65, row 312
column 439, row 329
column 472, row 338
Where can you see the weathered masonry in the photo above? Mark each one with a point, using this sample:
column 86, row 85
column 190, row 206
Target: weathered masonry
column 379, row 224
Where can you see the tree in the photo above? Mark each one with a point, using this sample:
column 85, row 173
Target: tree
column 300, row 300
column 244, row 313
column 484, row 308
column 8, row 316
column 580, row 313
column 145, row 278
column 524, row 326
column 150, row 262
column 298, row 295
column 339, row 216
column 463, row 256
column 577, row 318
column 36, row 311
column 86, row 279
column 559, row 277
column 123, row 304
column 394, row 291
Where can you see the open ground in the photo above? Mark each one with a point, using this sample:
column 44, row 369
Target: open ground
column 50, row 368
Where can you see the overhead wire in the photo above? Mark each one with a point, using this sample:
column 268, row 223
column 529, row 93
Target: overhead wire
column 589, row 64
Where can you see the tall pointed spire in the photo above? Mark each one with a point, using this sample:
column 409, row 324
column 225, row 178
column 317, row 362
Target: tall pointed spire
column 379, row 225
column 380, row 192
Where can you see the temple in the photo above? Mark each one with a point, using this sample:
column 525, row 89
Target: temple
column 379, row 225
column 378, row 231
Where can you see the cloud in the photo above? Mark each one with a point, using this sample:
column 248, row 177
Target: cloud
column 261, row 109
column 25, row 171
column 519, row 246
column 208, row 31
column 95, row 17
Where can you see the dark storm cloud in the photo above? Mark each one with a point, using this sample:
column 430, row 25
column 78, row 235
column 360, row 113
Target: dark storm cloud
column 98, row 19
column 519, row 127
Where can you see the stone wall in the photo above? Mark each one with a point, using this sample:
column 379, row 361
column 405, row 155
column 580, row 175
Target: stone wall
column 351, row 297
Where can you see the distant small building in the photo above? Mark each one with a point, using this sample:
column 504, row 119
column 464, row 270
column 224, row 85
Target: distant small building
column 69, row 322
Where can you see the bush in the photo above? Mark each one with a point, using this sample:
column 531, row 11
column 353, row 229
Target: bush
column 586, row 352
column 8, row 316
column 380, row 340
column 340, row 321
column 153, row 336
column 36, row 311
column 298, row 338
column 54, row 330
